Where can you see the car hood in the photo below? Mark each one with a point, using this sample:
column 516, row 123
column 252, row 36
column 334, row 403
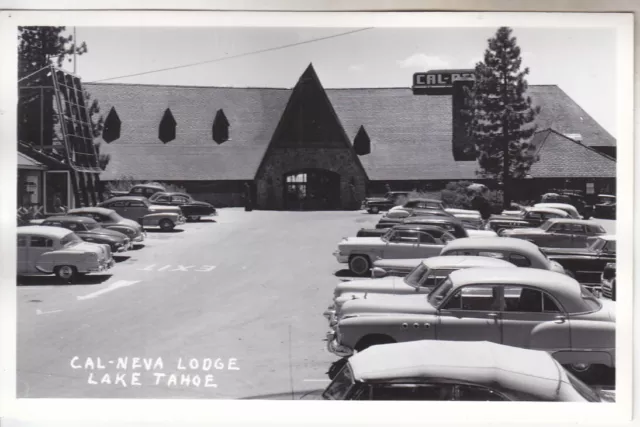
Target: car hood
column 506, row 218
column 409, row 263
column 481, row 233
column 383, row 285
column 524, row 231
column 468, row 212
column 388, row 304
column 105, row 232
column 361, row 241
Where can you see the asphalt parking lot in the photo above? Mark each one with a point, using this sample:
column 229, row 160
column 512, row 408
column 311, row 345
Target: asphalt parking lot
column 230, row 308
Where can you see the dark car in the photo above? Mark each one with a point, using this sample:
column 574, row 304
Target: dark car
column 110, row 219
column 388, row 221
column 374, row 205
column 574, row 198
column 605, row 207
column 586, row 264
column 559, row 233
column 89, row 230
column 452, row 225
column 143, row 190
column 192, row 209
column 608, row 281
column 530, row 217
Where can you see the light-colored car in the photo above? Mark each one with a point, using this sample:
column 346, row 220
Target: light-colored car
column 109, row 219
column 421, row 280
column 559, row 233
column 521, row 307
column 148, row 215
column 517, row 251
column 56, row 250
column 570, row 209
column 458, row 371
column 402, row 241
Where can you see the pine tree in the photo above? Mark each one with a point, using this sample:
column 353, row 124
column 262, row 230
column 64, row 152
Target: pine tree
column 500, row 115
column 39, row 47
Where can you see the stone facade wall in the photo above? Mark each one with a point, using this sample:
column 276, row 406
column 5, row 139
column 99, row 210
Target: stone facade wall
column 270, row 180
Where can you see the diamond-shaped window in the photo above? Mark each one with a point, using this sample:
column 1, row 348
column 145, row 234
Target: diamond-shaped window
column 362, row 142
column 112, row 124
column 167, row 129
column 220, row 129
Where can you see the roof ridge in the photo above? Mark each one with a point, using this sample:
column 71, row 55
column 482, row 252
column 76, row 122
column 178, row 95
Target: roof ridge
column 579, row 143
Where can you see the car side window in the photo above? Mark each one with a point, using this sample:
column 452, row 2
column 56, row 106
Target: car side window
column 71, row 226
column 135, row 204
column 137, row 190
column 527, row 300
column 519, row 260
column 117, row 204
column 492, row 254
column 41, row 242
column 162, row 199
column 179, row 199
column 472, row 393
column 53, row 224
column 22, row 241
column 578, row 229
column 475, row 298
column 426, row 238
column 433, row 392
column 405, row 236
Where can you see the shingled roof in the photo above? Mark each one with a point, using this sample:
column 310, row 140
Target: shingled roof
column 411, row 136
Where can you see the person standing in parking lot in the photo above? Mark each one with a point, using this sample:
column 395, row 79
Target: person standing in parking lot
column 482, row 205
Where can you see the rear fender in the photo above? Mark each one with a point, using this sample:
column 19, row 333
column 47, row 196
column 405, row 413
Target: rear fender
column 592, row 335
column 155, row 218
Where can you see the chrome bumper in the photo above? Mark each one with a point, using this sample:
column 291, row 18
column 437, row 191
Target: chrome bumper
column 329, row 313
column 343, row 259
column 181, row 220
column 335, row 348
column 103, row 266
column 141, row 237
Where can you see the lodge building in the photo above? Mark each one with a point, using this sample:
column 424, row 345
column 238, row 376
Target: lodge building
column 316, row 148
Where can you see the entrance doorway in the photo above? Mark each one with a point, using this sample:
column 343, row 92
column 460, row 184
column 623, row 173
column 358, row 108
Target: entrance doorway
column 57, row 192
column 312, row 190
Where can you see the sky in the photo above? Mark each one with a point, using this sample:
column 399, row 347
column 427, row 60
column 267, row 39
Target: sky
column 580, row 61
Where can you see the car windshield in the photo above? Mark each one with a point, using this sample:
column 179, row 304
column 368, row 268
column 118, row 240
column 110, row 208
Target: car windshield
column 340, row 386
column 438, row 293
column 92, row 225
column 600, row 245
column 546, row 225
column 70, row 239
column 115, row 217
column 417, row 276
column 387, row 236
column 583, row 389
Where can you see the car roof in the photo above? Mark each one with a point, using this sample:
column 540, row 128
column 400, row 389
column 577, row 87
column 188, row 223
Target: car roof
column 494, row 242
column 554, row 205
column 462, row 261
column 422, row 199
column 149, row 186
column 480, row 362
column 548, row 210
column 124, row 198
column 92, row 209
column 70, row 218
column 573, row 221
column 168, row 193
column 517, row 276
column 44, row 230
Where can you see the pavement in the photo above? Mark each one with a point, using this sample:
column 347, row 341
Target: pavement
column 224, row 308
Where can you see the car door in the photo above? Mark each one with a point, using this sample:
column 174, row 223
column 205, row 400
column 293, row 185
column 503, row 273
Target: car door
column 532, row 318
column 559, row 235
column 579, row 235
column 471, row 313
column 118, row 206
column 162, row 200
column 23, row 254
column 428, row 245
column 136, row 209
column 402, row 244
column 38, row 245
column 181, row 202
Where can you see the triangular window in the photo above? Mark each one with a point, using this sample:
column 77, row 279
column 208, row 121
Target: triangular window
column 167, row 128
column 362, row 142
column 112, row 124
column 220, row 129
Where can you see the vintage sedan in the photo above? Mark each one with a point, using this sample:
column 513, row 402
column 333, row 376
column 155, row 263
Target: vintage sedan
column 570, row 209
column 90, row 230
column 471, row 217
column 473, row 371
column 517, row 251
column 452, row 225
column 608, row 281
column 530, row 217
column 373, row 205
column 521, row 307
column 586, row 264
column 109, row 219
column 192, row 209
column 403, row 241
column 559, row 233
column 424, row 277
column 147, row 214
column 59, row 251
column 141, row 190
column 398, row 217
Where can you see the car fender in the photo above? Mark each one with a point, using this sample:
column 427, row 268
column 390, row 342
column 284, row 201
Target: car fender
column 49, row 260
column 592, row 334
column 550, row 335
column 155, row 218
column 399, row 327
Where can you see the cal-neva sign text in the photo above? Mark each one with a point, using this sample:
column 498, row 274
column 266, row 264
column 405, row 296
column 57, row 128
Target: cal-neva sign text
column 441, row 79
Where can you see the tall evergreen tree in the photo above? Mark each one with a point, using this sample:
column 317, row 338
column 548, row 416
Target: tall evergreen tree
column 501, row 116
column 37, row 48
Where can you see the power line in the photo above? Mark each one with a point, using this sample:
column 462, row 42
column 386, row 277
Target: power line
column 271, row 49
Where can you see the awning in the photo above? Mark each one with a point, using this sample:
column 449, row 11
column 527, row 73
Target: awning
column 26, row 162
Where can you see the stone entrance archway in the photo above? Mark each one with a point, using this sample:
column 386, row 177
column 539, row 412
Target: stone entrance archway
column 311, row 189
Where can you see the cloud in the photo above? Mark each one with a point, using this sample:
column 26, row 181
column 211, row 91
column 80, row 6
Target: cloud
column 420, row 60
column 356, row 67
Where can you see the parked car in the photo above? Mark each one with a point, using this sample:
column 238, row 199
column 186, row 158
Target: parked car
column 586, row 264
column 59, row 251
column 424, row 277
column 452, row 225
column 110, row 219
column 608, row 281
column 605, row 207
column 559, row 233
column 398, row 217
column 517, row 251
column 90, row 230
column 403, row 241
column 570, row 209
column 192, row 209
column 571, row 197
column 458, row 371
column 471, row 217
column 141, row 190
column 147, row 214
column 373, row 205
column 530, row 217
column 521, row 307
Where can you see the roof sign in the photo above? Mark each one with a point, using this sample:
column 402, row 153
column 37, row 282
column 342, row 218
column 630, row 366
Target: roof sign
column 439, row 82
